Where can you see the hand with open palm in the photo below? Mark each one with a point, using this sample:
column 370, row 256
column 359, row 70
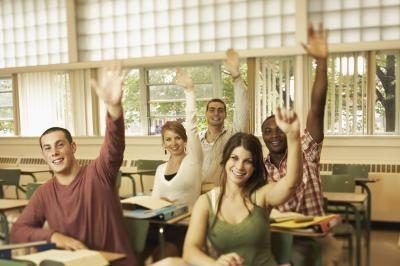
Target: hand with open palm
column 109, row 87
column 317, row 45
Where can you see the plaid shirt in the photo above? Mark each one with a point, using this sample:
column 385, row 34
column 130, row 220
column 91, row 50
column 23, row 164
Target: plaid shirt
column 307, row 198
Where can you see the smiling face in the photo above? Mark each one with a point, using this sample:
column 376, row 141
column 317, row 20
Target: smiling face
column 239, row 167
column 215, row 113
column 273, row 137
column 173, row 143
column 58, row 152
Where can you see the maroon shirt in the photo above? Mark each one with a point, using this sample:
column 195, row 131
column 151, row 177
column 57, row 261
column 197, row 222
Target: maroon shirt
column 88, row 209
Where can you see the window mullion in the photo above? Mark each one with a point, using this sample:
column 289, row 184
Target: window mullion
column 145, row 96
column 371, row 74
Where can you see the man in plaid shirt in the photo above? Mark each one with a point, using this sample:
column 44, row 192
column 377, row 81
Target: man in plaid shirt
column 307, row 198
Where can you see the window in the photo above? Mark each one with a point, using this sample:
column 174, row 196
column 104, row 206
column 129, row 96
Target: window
column 33, row 33
column 357, row 20
column 151, row 97
column 135, row 28
column 346, row 104
column 275, row 87
column 167, row 101
column 6, row 107
column 355, row 107
column 387, row 101
column 43, row 100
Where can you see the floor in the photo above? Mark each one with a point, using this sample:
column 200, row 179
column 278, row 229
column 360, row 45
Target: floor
column 385, row 247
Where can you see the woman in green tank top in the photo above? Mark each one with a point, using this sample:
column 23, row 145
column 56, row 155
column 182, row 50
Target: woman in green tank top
column 235, row 217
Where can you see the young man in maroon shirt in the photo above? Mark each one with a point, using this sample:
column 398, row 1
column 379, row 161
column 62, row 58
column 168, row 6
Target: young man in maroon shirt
column 80, row 203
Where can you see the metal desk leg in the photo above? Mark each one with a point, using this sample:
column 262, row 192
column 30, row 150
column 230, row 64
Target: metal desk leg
column 161, row 240
column 358, row 234
column 368, row 219
column 141, row 182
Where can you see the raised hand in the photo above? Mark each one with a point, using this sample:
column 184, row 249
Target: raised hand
column 317, row 45
column 287, row 121
column 232, row 62
column 183, row 79
column 230, row 259
column 66, row 242
column 109, row 87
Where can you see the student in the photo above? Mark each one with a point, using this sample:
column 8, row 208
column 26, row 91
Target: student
column 179, row 179
column 235, row 217
column 213, row 139
column 80, row 203
column 308, row 198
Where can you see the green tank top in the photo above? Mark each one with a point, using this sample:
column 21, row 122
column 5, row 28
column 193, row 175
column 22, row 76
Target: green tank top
column 250, row 238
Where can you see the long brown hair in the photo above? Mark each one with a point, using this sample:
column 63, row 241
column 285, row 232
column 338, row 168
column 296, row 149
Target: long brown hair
column 257, row 179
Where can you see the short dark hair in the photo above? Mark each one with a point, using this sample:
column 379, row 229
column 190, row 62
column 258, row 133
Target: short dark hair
column 216, row 100
column 67, row 134
column 266, row 119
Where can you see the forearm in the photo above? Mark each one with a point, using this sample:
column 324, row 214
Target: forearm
column 241, row 111
column 319, row 90
column 294, row 162
column 195, row 256
column 22, row 233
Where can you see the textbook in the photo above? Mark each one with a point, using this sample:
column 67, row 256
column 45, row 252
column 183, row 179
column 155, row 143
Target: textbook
column 147, row 202
column 163, row 214
column 278, row 217
column 57, row 257
column 318, row 224
column 147, row 207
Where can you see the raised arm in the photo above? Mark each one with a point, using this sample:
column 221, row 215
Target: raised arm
column 194, row 145
column 241, row 111
column 277, row 193
column 109, row 89
column 317, row 47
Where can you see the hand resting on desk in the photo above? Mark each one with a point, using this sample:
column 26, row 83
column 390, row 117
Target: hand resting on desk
column 66, row 242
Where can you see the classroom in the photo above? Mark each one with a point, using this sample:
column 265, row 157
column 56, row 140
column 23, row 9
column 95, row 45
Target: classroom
column 50, row 50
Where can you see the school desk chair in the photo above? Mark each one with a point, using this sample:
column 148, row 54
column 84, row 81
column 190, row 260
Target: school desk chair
column 345, row 184
column 147, row 165
column 11, row 177
column 360, row 174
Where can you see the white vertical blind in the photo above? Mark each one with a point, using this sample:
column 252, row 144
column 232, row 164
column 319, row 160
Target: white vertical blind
column 44, row 101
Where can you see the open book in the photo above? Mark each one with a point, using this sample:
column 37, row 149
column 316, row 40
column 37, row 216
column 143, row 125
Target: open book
column 56, row 257
column 147, row 207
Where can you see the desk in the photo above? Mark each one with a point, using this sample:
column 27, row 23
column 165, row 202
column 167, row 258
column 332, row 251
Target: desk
column 31, row 170
column 130, row 171
column 348, row 199
column 7, row 205
column 112, row 256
